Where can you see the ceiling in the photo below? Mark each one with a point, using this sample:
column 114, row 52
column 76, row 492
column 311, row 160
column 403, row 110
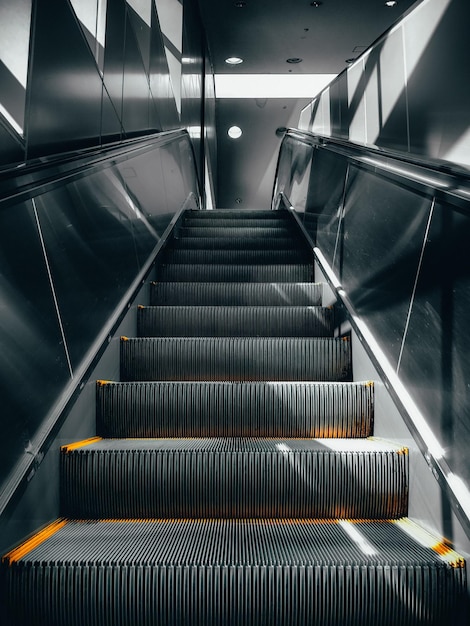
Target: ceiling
column 265, row 33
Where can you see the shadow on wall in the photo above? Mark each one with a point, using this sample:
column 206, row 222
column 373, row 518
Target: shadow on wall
column 412, row 85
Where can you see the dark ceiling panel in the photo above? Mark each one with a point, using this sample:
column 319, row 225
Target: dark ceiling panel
column 267, row 32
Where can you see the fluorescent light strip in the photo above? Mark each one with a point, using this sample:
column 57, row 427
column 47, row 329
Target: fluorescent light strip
column 270, row 85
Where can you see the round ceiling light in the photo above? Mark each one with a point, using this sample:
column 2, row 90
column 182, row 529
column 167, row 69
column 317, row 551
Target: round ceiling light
column 316, row 4
column 233, row 61
column 391, row 3
column 234, row 132
column 294, row 60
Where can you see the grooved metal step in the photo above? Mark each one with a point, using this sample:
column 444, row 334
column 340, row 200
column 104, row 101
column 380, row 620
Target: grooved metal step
column 243, row 214
column 235, row 273
column 234, row 477
column 234, row 257
column 222, row 321
column 235, row 231
column 245, row 359
column 236, row 294
column 223, row 409
column 220, row 222
column 235, row 572
column 236, row 243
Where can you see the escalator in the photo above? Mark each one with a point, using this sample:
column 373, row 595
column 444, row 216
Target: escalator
column 235, row 478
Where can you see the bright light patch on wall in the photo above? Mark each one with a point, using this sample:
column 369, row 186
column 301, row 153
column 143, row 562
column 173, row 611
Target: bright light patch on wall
column 234, row 132
column 11, row 120
column 270, row 85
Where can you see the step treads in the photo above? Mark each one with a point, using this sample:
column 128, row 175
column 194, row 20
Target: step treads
column 220, row 321
column 235, row 243
column 236, row 294
column 235, row 231
column 234, row 477
column 236, row 273
column 225, row 409
column 237, row 257
column 227, row 222
column 237, row 572
column 236, row 214
column 239, row 358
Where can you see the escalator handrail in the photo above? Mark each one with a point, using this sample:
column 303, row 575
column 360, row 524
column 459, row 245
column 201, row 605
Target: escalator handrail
column 23, row 181
column 444, row 178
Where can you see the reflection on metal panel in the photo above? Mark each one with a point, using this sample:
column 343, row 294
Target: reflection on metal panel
column 15, row 23
column 436, row 352
column 65, row 86
column 33, row 366
column 135, row 106
column 113, row 72
column 378, row 253
column 89, row 229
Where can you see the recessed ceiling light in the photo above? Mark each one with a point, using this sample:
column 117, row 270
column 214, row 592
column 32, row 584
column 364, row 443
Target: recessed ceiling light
column 391, row 3
column 316, row 4
column 233, row 61
column 240, row 4
column 234, row 132
column 294, row 60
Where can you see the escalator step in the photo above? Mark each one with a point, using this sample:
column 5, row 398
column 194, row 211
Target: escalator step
column 223, row 409
column 234, row 257
column 243, row 214
column 221, row 321
column 237, row 243
column 282, row 231
column 235, row 273
column 244, row 359
column 236, row 294
column 235, row 572
column 221, row 222
column 234, row 477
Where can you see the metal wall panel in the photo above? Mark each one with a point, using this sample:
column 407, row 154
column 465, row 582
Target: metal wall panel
column 113, row 73
column 412, row 86
column 65, row 86
column 135, row 106
column 436, row 361
column 438, row 92
column 88, row 229
column 325, row 199
column 382, row 234
column 159, row 76
column 33, row 365
column 393, row 130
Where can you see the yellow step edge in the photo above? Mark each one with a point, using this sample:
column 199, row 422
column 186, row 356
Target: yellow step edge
column 441, row 546
column 81, row 444
column 30, row 544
